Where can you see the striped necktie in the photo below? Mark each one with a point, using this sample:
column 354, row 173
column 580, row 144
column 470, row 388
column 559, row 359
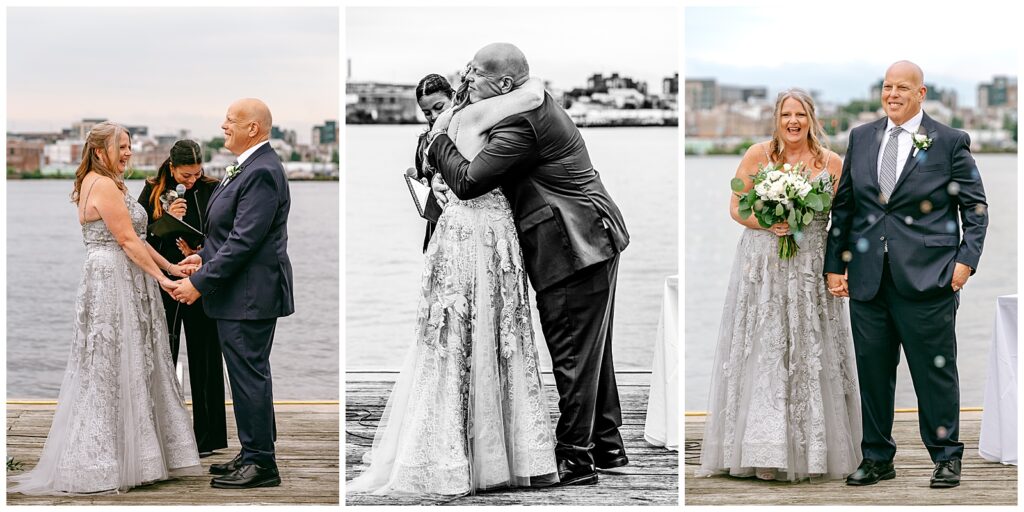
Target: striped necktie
column 887, row 174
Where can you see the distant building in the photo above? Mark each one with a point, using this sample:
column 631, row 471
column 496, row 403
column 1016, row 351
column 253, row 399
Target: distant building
column 25, row 156
column 1000, row 93
column 670, row 85
column 600, row 83
column 288, row 136
column 79, row 130
column 326, row 133
column 701, row 94
column 375, row 102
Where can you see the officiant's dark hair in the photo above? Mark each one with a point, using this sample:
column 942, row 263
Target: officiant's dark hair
column 434, row 83
column 183, row 152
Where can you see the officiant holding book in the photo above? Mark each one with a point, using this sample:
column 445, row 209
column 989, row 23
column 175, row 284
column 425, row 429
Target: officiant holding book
column 434, row 95
column 176, row 200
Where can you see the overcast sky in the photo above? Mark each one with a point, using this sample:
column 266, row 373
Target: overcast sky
column 842, row 50
column 562, row 44
column 170, row 68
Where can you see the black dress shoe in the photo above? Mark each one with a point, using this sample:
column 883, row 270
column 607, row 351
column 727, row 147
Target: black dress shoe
column 226, row 467
column 247, row 477
column 610, row 459
column 203, row 455
column 573, row 473
column 871, row 472
column 946, row 474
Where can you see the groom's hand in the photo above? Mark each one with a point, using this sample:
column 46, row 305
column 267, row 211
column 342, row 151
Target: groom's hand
column 837, row 285
column 186, row 292
column 190, row 264
column 439, row 187
column 960, row 275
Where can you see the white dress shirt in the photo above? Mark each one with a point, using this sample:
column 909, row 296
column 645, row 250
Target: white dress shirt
column 247, row 153
column 906, row 142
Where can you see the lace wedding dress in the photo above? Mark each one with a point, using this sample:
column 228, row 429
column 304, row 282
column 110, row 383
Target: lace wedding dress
column 468, row 410
column 784, row 400
column 120, row 420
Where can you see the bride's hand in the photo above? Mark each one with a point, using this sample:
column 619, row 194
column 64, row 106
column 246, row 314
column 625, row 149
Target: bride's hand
column 780, row 228
column 168, row 285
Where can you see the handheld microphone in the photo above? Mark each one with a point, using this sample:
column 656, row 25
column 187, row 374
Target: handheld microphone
column 180, row 189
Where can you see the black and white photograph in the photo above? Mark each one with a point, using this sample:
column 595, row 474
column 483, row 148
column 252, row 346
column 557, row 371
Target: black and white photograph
column 851, row 258
column 511, row 181
column 172, row 256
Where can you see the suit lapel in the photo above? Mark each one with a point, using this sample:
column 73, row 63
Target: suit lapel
column 221, row 186
column 874, row 149
column 927, row 126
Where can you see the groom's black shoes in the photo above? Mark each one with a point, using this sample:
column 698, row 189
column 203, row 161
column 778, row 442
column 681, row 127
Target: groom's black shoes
column 227, row 467
column 946, row 474
column 610, row 459
column 574, row 473
column 247, row 477
column 871, row 472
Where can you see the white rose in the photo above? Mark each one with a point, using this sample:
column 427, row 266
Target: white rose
column 787, row 167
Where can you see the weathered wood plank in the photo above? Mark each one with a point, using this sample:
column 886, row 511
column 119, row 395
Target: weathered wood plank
column 651, row 478
column 307, row 456
column 982, row 482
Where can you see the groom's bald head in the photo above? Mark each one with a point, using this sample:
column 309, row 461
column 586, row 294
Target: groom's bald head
column 496, row 69
column 504, row 59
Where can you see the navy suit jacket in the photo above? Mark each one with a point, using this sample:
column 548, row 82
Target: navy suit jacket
column 565, row 218
column 246, row 273
column 938, row 192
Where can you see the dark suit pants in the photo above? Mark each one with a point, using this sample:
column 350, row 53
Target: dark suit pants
column 246, row 346
column 924, row 327
column 205, row 370
column 576, row 317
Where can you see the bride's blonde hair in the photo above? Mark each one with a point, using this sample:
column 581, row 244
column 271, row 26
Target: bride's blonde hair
column 817, row 141
column 104, row 136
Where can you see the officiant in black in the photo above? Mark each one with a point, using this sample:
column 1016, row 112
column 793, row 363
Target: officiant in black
column 180, row 189
column 434, row 95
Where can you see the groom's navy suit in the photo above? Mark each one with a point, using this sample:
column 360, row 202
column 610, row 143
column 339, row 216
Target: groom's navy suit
column 900, row 255
column 571, row 234
column 246, row 284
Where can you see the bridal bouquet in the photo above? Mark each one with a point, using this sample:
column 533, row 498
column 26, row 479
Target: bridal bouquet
column 783, row 194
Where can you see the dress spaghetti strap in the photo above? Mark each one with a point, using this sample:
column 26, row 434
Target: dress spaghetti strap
column 764, row 147
column 82, row 202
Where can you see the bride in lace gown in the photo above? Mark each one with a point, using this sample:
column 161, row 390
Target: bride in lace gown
column 468, row 411
column 784, row 402
column 121, row 419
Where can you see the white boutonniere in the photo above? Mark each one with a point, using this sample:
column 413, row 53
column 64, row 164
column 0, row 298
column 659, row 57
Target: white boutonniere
column 232, row 170
column 921, row 143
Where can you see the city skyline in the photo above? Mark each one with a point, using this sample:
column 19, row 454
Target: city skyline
column 181, row 67
column 564, row 45
column 748, row 47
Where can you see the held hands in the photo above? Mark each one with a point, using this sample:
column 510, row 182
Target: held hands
column 185, row 292
column 960, row 275
column 838, row 285
column 190, row 264
column 440, row 188
column 168, row 286
column 177, row 208
column 780, row 228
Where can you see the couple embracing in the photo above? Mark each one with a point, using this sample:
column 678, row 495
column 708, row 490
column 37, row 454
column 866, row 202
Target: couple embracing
column 794, row 395
column 121, row 419
column 521, row 200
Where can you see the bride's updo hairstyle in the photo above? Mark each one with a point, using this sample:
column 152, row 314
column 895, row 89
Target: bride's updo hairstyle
column 817, row 141
column 105, row 137
column 434, row 83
